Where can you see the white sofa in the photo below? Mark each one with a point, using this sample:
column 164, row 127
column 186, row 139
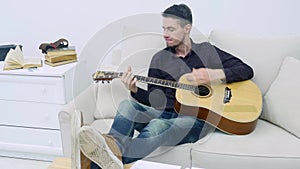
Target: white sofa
column 275, row 142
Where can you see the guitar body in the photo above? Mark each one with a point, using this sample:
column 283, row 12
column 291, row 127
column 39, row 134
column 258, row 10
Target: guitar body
column 233, row 108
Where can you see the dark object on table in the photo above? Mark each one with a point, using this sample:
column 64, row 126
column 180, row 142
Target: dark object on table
column 60, row 43
column 4, row 49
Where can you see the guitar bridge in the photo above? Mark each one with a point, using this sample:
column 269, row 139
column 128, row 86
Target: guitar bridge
column 227, row 95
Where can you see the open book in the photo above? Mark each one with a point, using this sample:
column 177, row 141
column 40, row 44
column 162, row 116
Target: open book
column 15, row 60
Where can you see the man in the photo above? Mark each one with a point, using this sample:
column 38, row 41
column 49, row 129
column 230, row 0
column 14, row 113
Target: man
column 153, row 116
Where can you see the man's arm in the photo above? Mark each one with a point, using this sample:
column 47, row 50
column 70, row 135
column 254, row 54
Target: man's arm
column 206, row 76
column 233, row 70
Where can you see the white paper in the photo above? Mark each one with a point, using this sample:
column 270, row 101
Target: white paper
column 141, row 164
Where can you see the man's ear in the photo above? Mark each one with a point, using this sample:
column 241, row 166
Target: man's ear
column 188, row 28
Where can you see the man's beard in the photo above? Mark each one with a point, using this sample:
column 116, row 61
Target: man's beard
column 176, row 45
column 180, row 42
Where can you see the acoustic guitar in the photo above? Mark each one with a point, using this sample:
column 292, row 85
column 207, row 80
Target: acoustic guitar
column 233, row 108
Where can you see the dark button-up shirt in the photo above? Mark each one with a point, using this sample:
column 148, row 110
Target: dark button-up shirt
column 166, row 65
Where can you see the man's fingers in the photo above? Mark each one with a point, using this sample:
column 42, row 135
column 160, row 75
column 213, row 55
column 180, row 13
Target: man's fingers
column 129, row 77
column 129, row 69
column 129, row 80
column 133, row 81
column 190, row 77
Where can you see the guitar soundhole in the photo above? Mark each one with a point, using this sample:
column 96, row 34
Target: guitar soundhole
column 202, row 90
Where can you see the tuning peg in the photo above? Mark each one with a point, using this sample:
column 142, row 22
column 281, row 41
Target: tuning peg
column 108, row 81
column 102, row 81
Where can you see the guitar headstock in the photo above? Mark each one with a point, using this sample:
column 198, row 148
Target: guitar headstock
column 105, row 76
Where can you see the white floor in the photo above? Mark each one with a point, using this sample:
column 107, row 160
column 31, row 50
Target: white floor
column 14, row 163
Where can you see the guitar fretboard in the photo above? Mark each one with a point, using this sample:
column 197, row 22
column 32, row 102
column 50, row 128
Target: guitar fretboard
column 154, row 81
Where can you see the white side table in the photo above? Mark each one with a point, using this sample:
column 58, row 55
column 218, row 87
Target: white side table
column 29, row 104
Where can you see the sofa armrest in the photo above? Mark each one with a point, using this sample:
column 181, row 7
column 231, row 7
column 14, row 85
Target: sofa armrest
column 85, row 102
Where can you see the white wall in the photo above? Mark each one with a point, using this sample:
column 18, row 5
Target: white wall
column 31, row 22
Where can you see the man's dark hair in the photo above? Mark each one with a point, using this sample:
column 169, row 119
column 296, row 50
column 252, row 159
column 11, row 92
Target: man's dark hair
column 181, row 12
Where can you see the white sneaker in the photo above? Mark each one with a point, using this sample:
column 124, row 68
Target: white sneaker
column 94, row 147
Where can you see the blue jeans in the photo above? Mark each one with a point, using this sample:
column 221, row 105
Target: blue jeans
column 156, row 128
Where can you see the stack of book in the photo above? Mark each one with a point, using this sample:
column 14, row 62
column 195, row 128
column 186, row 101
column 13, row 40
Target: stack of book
column 60, row 56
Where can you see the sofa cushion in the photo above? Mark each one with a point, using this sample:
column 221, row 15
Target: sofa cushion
column 282, row 99
column 267, row 147
column 103, row 125
column 109, row 95
column 263, row 54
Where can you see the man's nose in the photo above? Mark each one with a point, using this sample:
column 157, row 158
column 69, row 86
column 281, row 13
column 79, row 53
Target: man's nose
column 166, row 34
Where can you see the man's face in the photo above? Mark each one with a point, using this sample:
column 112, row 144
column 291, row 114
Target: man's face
column 173, row 33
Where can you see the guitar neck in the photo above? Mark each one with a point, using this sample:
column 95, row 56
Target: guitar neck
column 161, row 82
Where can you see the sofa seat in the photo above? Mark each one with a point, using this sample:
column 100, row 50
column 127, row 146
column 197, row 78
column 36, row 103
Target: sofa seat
column 268, row 147
column 256, row 149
